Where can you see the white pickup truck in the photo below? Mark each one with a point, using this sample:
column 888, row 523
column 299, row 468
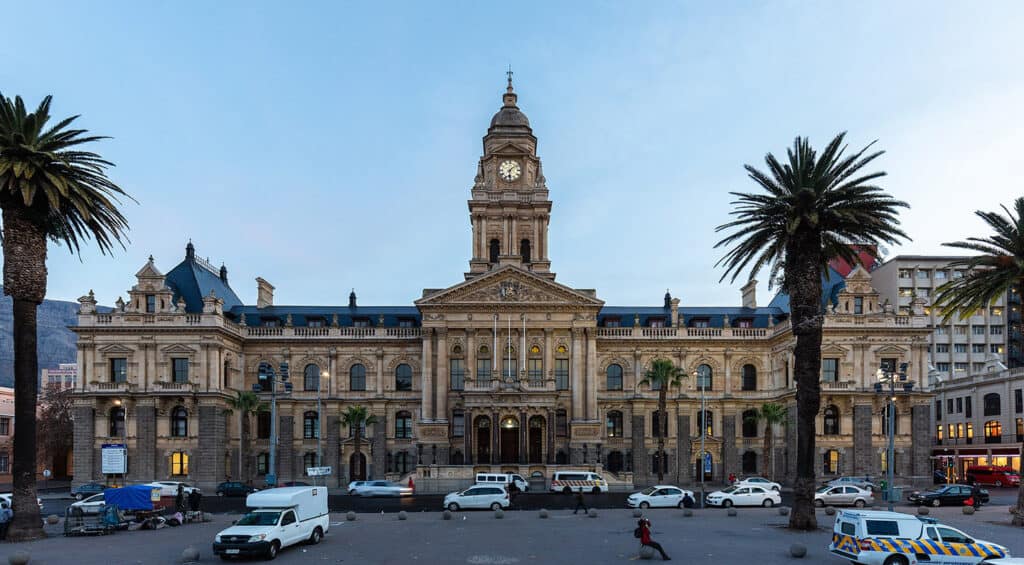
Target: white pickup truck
column 277, row 518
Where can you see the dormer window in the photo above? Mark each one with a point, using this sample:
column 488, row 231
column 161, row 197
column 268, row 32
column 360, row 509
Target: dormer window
column 744, row 323
column 150, row 303
column 858, row 305
column 361, row 322
column 656, row 322
column 406, row 323
column 700, row 323
column 270, row 322
column 613, row 322
column 315, row 322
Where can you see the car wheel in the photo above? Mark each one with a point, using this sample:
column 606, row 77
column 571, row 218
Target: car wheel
column 220, row 493
column 936, row 503
column 316, row 536
column 999, row 484
column 351, row 492
column 819, row 503
column 859, row 503
column 453, row 507
column 768, row 503
column 896, row 560
column 495, row 506
column 275, row 546
column 645, row 505
column 567, row 490
column 727, row 503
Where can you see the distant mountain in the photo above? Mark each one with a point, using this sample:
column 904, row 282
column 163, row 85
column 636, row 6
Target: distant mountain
column 57, row 344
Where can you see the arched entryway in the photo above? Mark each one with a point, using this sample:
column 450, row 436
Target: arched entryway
column 614, row 463
column 536, row 439
column 357, row 467
column 749, row 462
column 509, row 439
column 482, row 429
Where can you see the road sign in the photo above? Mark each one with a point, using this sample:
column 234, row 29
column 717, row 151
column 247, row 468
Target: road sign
column 271, row 479
column 707, row 462
column 318, row 471
column 114, row 459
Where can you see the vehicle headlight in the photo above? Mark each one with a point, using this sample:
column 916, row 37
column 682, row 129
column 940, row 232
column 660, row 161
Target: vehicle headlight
column 256, row 538
column 216, row 538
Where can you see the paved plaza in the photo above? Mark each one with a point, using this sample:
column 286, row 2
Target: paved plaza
column 710, row 536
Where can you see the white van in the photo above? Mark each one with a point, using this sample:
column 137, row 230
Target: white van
column 278, row 517
column 578, row 481
column 505, row 479
column 890, row 538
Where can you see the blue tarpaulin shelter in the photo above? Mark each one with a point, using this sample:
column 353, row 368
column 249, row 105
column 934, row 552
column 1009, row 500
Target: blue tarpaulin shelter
column 136, row 497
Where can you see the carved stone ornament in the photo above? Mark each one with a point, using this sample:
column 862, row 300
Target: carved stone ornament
column 511, row 290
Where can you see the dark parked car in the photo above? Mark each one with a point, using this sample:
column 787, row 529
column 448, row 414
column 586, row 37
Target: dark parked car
column 234, row 488
column 87, row 490
column 946, row 495
column 296, row 484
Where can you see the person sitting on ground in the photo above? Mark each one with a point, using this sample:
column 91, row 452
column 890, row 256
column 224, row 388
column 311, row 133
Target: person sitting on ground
column 644, row 525
column 688, row 501
column 5, row 519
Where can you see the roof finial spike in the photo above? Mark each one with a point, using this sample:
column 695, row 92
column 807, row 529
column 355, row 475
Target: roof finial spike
column 509, row 74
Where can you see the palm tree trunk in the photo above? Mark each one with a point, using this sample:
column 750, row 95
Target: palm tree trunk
column 662, row 424
column 355, row 459
column 24, row 248
column 803, row 281
column 243, row 446
column 769, row 471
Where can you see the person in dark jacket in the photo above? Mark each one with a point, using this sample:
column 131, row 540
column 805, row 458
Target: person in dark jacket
column 179, row 499
column 976, row 496
column 195, row 499
column 580, row 504
column 645, row 538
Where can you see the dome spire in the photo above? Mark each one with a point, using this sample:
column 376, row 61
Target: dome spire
column 509, row 99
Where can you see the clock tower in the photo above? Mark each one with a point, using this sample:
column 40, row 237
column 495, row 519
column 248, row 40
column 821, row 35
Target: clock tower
column 509, row 207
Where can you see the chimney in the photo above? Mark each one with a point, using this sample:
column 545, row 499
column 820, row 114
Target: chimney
column 668, row 299
column 190, row 251
column 352, row 299
column 264, row 293
column 223, row 273
column 749, row 293
column 675, row 312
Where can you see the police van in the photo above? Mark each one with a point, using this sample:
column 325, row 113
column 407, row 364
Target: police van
column 892, row 538
column 578, row 481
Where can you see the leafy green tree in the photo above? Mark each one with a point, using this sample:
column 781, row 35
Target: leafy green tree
column 356, row 417
column 998, row 269
column 771, row 414
column 812, row 209
column 50, row 189
column 245, row 403
column 662, row 375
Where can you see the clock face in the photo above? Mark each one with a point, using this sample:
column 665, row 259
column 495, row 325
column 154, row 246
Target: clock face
column 509, row 170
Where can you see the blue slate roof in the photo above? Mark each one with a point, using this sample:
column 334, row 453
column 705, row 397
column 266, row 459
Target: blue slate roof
column 831, row 285
column 715, row 315
column 193, row 278
column 300, row 314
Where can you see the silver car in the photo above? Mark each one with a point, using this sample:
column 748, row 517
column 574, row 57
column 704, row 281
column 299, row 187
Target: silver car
column 382, row 488
column 859, row 482
column 843, row 496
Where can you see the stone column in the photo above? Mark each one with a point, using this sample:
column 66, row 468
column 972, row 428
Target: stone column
column 523, row 433
column 332, row 441
column 549, row 358
column 550, row 428
column 576, row 376
column 863, row 454
column 209, row 468
column 485, row 244
column 468, row 438
column 730, row 458
column 84, row 443
column 285, row 446
column 590, row 377
column 495, row 447
column 920, row 451
column 471, row 350
column 640, row 463
column 443, row 382
column 144, row 466
column 427, row 384
column 380, row 372
column 379, row 448
column 684, row 456
column 728, row 372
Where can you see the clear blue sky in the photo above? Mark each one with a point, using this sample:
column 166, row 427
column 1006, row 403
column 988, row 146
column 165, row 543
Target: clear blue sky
column 330, row 145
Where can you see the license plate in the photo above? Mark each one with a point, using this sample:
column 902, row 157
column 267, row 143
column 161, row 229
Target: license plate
column 232, row 551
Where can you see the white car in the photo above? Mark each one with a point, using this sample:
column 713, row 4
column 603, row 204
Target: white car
column 478, row 496
column 744, row 495
column 760, row 482
column 659, row 496
column 6, row 497
column 382, row 488
column 170, row 488
column 91, row 505
column 354, row 485
column 840, row 496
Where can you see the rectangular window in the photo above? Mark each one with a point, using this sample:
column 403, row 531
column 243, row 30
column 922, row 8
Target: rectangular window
column 1020, row 429
column 967, row 406
column 562, row 374
column 262, row 462
column 924, row 274
column 942, row 367
column 5, row 462
column 315, row 322
column 829, row 370
column 150, row 303
column 180, row 369
column 977, row 348
column 1018, row 400
column 858, row 304
column 263, row 425
column 179, row 464
column 509, row 368
column 906, row 291
column 906, row 273
column 959, row 274
column 483, row 372
column 923, row 292
column 941, row 275
column 938, row 434
column 457, row 373
column 656, row 322
column 701, row 323
column 994, row 348
column 535, row 369
column 977, row 367
column 942, row 348
column 960, row 367
column 612, row 322
column 271, row 322
column 458, row 424
column 959, row 348
column 745, row 323
column 996, row 330
column 970, row 433
column 119, row 370
column 938, row 410
column 403, row 427
column 959, row 330
column 5, row 426
column 949, row 406
column 978, row 330
column 561, row 424
column 361, row 322
column 959, row 405
column 995, row 311
column 941, row 330
column 406, row 323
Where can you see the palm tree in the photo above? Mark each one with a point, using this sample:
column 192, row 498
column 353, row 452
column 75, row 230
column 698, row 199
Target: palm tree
column 356, row 417
column 49, row 189
column 771, row 414
column 816, row 208
column 662, row 375
column 246, row 403
column 997, row 270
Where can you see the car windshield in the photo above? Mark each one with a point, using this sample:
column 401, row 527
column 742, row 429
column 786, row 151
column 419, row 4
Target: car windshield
column 648, row 491
column 729, row 490
column 259, row 519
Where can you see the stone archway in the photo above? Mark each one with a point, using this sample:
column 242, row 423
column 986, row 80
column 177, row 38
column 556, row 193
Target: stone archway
column 357, row 467
column 535, row 439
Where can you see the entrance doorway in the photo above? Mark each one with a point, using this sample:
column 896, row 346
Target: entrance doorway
column 482, row 429
column 357, row 467
column 509, row 440
column 614, row 463
column 536, row 439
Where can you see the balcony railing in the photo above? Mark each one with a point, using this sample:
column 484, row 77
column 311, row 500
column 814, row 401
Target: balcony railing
column 326, row 332
column 685, row 332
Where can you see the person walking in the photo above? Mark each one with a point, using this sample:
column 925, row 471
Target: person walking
column 644, row 525
column 5, row 519
column 179, row 499
column 580, row 504
column 732, row 478
column 976, row 496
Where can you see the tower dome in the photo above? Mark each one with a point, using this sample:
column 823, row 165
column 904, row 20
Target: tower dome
column 509, row 116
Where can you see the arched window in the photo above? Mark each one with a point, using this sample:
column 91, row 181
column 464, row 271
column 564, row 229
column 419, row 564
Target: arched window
column 403, row 377
column 749, row 377
column 403, row 425
column 749, row 463
column 614, row 381
column 992, row 404
column 357, row 377
column 117, row 421
column 885, row 421
column 831, row 421
column 706, row 422
column 993, row 431
column 830, row 462
column 750, row 423
column 262, row 463
column 179, row 422
column 401, row 462
column 263, row 425
column 308, row 460
column 311, row 377
column 495, row 249
column 704, row 375
column 524, row 250
column 310, row 425
column 614, row 424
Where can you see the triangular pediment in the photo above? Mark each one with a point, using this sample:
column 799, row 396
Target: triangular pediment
column 179, row 348
column 833, row 349
column 115, row 348
column 509, row 149
column 149, row 271
column 510, row 285
column 859, row 282
column 890, row 350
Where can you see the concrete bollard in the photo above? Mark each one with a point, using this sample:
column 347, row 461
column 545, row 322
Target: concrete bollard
column 447, row 514
column 351, row 516
column 190, row 555
column 646, row 552
column 829, row 511
column 402, row 515
column 20, row 557
column 731, row 512
column 544, row 513
column 592, row 513
column 783, row 511
column 688, row 513
column 499, row 514
column 53, row 519
column 923, row 510
column 968, row 510
column 637, row 513
column 798, row 550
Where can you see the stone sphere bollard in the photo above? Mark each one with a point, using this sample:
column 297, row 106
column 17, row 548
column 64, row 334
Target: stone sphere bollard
column 544, row 513
column 207, row 517
column 499, row 514
column 20, row 557
column 447, row 514
column 53, row 519
column 829, row 511
column 351, row 516
column 637, row 513
column 592, row 513
column 968, row 510
column 731, row 512
column 783, row 511
column 190, row 555
column 402, row 515
column 688, row 513
column 798, row 550
column 923, row 510
column 646, row 552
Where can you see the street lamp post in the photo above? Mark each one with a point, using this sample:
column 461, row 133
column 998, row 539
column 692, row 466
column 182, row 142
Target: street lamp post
column 703, row 432
column 267, row 375
column 886, row 376
column 124, row 437
column 319, row 421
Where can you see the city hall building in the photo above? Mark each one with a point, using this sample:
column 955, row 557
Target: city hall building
column 505, row 370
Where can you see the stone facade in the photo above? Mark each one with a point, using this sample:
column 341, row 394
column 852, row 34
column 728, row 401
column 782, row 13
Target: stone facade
column 507, row 369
